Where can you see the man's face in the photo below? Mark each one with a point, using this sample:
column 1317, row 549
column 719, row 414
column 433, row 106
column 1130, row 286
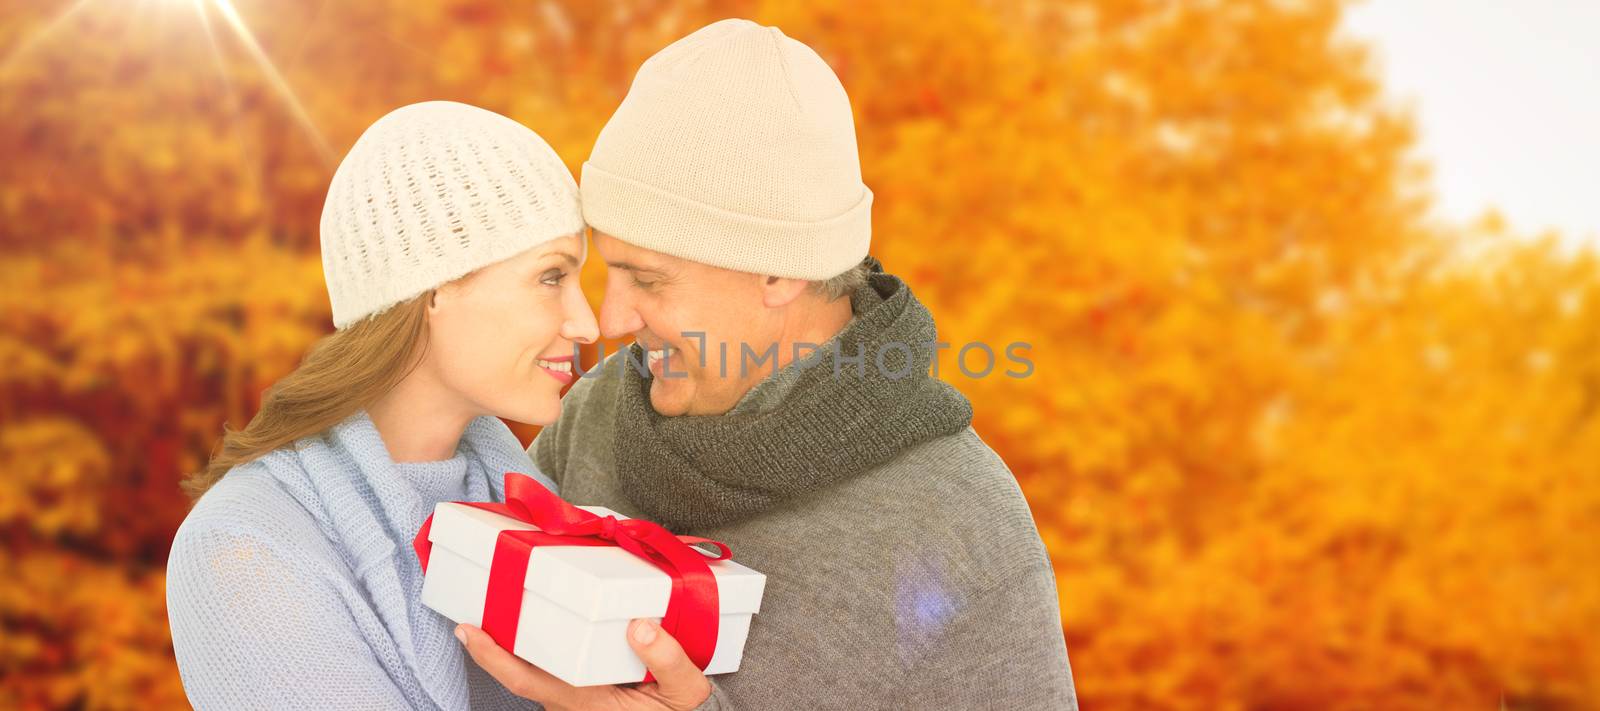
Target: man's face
column 657, row 298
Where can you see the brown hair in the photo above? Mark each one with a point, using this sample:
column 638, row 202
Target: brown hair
column 345, row 371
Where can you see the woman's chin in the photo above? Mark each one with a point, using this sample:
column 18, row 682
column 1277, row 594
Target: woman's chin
column 544, row 412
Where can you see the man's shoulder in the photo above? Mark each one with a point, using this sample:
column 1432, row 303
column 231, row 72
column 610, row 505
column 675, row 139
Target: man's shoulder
column 960, row 462
column 961, row 482
column 944, row 516
column 963, row 447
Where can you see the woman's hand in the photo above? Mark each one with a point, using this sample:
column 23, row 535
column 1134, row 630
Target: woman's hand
column 679, row 684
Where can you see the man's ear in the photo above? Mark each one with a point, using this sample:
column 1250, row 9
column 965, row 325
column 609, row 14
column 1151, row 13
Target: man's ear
column 777, row 292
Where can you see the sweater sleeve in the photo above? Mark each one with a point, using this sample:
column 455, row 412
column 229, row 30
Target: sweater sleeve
column 1004, row 650
column 253, row 628
column 718, row 700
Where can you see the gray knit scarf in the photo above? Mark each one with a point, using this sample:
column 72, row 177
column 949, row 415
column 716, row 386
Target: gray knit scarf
column 691, row 472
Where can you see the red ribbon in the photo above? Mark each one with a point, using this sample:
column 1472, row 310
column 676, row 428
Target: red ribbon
column 692, row 609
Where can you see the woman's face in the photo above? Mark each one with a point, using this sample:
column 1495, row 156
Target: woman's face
column 501, row 338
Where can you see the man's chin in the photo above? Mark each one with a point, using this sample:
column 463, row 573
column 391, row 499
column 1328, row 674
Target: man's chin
column 668, row 399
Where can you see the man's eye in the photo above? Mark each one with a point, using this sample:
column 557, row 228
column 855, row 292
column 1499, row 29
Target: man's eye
column 553, row 277
column 642, row 283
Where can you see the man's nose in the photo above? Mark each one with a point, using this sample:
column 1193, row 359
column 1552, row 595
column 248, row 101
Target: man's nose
column 618, row 317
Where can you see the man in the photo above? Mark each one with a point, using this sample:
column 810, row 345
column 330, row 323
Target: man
column 787, row 410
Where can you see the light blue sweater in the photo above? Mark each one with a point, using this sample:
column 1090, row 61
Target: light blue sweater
column 293, row 585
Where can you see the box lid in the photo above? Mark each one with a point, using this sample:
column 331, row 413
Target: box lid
column 596, row 583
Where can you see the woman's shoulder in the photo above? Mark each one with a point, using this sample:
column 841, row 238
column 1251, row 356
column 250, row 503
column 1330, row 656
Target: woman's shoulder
column 247, row 507
column 248, row 550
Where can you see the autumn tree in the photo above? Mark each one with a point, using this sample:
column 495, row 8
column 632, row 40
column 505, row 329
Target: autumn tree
column 1290, row 444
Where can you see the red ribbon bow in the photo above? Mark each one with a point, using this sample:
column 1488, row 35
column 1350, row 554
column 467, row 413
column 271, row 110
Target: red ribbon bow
column 692, row 609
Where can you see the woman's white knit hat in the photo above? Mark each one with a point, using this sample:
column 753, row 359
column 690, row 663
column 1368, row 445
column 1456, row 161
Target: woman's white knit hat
column 432, row 192
column 735, row 147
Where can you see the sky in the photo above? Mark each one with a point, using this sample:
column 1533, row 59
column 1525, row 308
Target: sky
column 1506, row 94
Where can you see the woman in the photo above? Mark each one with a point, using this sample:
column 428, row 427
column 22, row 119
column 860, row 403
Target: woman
column 451, row 240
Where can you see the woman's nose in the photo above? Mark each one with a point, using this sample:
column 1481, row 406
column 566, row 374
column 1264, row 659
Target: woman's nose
column 579, row 325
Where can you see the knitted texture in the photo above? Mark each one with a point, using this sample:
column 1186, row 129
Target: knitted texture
column 919, row 584
column 734, row 147
column 432, row 192
column 697, row 471
column 292, row 583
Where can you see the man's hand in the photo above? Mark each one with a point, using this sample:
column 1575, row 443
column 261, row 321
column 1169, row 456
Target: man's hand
column 679, row 685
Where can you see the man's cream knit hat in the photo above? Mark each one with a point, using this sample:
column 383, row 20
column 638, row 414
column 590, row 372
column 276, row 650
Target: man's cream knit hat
column 735, row 147
column 432, row 192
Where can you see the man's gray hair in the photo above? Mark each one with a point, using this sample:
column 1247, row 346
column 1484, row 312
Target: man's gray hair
column 842, row 285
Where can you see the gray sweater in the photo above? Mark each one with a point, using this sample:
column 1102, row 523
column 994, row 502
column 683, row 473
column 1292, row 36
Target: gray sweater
column 920, row 584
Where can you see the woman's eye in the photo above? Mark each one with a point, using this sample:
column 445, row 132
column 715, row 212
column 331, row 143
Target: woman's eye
column 553, row 277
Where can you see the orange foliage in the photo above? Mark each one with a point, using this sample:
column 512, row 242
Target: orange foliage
column 1290, row 445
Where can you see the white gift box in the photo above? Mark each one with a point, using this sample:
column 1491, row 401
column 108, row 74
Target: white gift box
column 577, row 601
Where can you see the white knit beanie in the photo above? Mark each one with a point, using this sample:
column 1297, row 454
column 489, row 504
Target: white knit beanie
column 735, row 147
column 432, row 192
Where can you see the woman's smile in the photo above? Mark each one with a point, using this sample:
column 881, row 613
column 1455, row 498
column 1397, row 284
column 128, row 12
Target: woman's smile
column 558, row 368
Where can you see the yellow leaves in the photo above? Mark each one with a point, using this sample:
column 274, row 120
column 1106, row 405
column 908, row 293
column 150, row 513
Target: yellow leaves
column 85, row 634
column 52, row 467
column 121, row 375
column 22, row 363
column 1289, row 446
column 1233, row 392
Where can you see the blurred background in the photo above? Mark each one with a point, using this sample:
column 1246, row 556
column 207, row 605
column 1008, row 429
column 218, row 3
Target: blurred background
column 1296, row 438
